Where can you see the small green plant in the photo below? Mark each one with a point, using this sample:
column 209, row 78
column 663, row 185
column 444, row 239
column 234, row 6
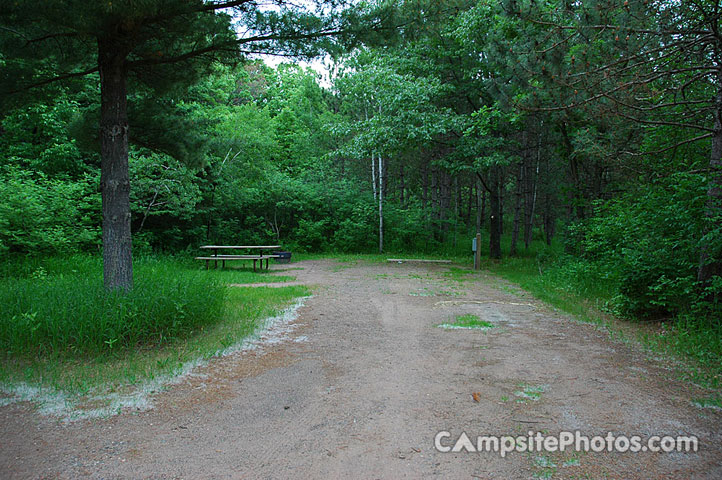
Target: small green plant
column 529, row 392
column 468, row 321
column 546, row 468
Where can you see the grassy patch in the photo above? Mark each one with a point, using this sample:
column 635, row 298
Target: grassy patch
column 429, row 292
column 469, row 321
column 460, row 274
column 712, row 401
column 60, row 328
column 529, row 392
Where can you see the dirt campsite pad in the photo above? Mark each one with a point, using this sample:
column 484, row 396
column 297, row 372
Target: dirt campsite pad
column 366, row 381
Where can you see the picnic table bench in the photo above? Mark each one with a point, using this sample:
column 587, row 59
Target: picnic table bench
column 259, row 257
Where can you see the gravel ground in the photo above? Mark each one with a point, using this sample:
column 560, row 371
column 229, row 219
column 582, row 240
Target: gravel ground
column 366, row 382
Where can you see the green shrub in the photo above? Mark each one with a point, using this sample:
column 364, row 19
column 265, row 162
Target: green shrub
column 359, row 232
column 649, row 243
column 42, row 215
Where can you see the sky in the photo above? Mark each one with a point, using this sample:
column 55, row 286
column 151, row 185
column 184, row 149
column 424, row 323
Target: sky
column 320, row 65
column 316, row 64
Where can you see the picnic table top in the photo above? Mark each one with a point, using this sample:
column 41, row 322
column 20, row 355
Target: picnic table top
column 258, row 247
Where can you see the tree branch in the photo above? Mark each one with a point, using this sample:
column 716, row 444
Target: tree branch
column 64, row 76
column 678, row 144
column 483, row 183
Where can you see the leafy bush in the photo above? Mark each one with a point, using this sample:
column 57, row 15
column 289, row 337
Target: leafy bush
column 310, row 235
column 649, row 245
column 39, row 214
column 357, row 233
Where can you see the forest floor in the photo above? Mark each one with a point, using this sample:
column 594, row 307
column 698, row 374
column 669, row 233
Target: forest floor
column 367, row 379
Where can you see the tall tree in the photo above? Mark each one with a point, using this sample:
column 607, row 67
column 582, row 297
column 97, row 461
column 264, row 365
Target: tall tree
column 654, row 63
column 158, row 43
column 398, row 113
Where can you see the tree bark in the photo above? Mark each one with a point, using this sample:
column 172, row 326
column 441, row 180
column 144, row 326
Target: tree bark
column 381, row 205
column 114, row 175
column 373, row 173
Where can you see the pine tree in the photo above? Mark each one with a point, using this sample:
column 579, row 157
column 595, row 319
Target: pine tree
column 156, row 43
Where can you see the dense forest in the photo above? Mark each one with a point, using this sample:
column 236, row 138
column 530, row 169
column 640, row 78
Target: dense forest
column 592, row 128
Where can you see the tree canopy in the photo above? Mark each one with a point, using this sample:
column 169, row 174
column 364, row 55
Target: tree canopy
column 591, row 126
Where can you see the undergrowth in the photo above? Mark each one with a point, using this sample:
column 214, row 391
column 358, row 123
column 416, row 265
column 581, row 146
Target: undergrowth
column 58, row 326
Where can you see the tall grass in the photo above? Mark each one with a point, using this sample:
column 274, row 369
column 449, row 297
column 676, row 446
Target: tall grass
column 60, row 328
column 58, row 306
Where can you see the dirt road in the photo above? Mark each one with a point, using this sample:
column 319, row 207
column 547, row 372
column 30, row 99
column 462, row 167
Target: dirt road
column 370, row 380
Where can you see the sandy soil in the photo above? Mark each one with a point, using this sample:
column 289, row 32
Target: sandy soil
column 371, row 380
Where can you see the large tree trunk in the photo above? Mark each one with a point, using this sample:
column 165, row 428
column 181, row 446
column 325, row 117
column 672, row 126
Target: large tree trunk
column 708, row 265
column 114, row 181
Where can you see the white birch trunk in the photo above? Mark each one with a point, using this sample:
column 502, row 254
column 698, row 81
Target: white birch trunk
column 381, row 205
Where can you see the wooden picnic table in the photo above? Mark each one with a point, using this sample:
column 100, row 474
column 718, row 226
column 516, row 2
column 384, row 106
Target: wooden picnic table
column 258, row 257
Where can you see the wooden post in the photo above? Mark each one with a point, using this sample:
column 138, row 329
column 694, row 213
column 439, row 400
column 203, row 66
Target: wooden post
column 477, row 253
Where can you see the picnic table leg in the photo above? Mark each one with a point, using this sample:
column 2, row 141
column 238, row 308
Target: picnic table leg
column 223, row 264
column 254, row 264
column 207, row 262
column 266, row 264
